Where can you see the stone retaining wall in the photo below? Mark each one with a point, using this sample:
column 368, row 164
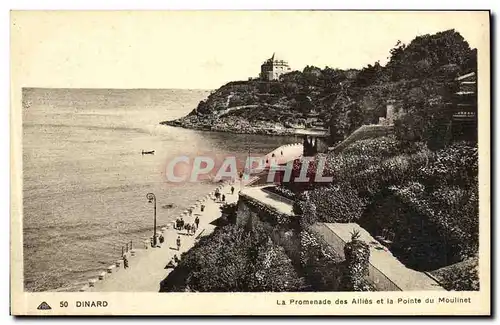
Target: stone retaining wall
column 307, row 247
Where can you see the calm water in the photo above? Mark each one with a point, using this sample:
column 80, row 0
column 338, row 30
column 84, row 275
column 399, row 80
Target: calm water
column 85, row 180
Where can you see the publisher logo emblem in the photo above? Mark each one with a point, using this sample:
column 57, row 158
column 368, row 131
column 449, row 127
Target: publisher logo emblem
column 43, row 306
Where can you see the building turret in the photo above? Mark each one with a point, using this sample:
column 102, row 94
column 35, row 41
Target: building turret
column 273, row 68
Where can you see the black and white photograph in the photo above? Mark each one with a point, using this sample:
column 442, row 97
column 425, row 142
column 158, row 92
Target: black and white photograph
column 306, row 153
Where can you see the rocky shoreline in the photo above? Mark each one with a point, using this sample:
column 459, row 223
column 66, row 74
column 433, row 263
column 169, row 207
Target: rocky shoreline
column 239, row 127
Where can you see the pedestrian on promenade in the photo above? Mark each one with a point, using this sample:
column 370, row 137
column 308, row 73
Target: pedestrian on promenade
column 282, row 152
column 162, row 239
column 171, row 264
column 178, row 243
column 125, row 261
column 202, row 207
column 223, row 198
column 176, row 259
column 194, row 228
column 188, row 228
column 232, row 190
column 197, row 222
column 177, row 223
column 217, row 194
column 181, row 224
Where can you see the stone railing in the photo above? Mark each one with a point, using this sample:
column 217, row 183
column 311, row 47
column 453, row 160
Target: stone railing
column 266, row 212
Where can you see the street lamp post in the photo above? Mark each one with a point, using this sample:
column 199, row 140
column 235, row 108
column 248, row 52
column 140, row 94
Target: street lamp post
column 152, row 199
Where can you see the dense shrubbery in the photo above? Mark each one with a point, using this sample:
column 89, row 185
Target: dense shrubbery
column 452, row 213
column 462, row 276
column 380, row 147
column 416, row 240
column 395, row 170
column 236, row 259
column 228, row 211
column 283, row 191
column 455, row 164
column 307, row 210
column 323, row 270
column 337, row 204
column 425, row 201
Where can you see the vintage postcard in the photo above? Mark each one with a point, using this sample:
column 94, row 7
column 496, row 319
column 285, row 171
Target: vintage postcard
column 250, row 163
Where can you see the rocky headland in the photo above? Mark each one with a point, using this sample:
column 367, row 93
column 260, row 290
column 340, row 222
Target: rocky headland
column 245, row 107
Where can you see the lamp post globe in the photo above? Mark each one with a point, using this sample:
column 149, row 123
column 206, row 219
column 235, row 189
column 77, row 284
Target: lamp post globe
column 152, row 199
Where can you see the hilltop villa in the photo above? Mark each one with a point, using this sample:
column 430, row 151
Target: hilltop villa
column 273, row 68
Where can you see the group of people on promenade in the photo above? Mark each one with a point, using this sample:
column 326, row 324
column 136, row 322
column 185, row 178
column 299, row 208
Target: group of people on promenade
column 159, row 240
column 180, row 224
column 190, row 228
column 220, row 197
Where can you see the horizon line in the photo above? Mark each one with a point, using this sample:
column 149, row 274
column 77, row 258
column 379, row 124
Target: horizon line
column 117, row 88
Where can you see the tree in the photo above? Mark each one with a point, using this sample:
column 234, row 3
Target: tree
column 331, row 80
column 357, row 256
column 427, row 53
column 369, row 75
column 428, row 116
column 309, row 212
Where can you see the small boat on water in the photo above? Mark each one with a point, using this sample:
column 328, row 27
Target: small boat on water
column 152, row 152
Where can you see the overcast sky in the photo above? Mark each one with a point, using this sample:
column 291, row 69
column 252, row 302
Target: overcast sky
column 204, row 50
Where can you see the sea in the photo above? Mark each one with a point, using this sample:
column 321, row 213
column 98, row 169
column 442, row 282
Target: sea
column 85, row 179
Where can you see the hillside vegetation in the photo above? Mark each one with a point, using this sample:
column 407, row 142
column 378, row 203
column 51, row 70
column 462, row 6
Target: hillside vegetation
column 234, row 258
column 420, row 74
column 425, row 202
column 416, row 189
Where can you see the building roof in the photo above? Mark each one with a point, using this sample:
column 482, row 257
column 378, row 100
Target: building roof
column 275, row 58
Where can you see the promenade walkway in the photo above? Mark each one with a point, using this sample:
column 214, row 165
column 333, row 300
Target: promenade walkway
column 147, row 268
column 285, row 153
